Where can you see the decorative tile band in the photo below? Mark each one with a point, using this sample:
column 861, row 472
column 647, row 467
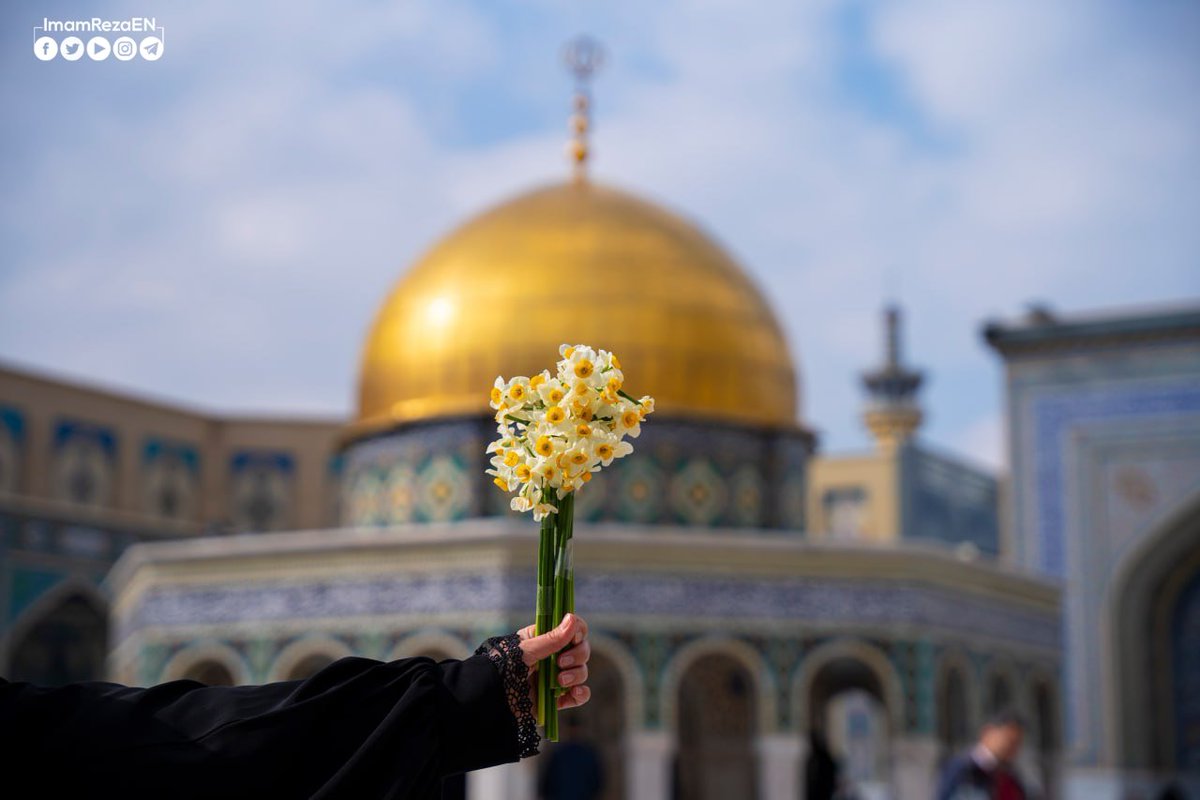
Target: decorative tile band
column 827, row 601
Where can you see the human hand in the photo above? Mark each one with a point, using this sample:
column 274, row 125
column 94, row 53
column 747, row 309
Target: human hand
column 573, row 670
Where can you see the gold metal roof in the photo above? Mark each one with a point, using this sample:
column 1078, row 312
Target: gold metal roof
column 576, row 262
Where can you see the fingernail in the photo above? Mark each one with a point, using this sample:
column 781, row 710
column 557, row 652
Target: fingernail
column 579, row 691
column 566, row 661
column 566, row 621
column 566, row 678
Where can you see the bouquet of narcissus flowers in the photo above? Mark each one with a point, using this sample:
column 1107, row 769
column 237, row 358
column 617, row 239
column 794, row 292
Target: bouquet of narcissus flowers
column 555, row 431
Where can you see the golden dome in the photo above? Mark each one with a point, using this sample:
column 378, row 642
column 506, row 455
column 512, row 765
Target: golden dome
column 578, row 263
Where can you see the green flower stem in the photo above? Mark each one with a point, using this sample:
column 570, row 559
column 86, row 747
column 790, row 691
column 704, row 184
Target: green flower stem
column 562, row 592
column 544, row 611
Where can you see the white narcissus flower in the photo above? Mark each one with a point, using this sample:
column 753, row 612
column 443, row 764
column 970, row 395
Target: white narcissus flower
column 517, row 393
column 628, row 420
column 552, row 391
column 554, row 430
column 604, row 452
column 497, row 396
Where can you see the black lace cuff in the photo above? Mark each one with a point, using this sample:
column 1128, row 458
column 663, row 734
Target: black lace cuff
column 505, row 654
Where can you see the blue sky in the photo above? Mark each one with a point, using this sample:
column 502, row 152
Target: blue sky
column 218, row 227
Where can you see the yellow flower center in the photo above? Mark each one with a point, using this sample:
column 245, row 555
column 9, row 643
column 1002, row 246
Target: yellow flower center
column 581, row 388
column 555, row 396
column 614, row 384
column 616, row 362
column 583, row 429
column 523, row 473
column 605, row 451
column 497, row 395
column 570, row 351
column 555, row 415
column 503, row 484
column 585, row 477
column 537, row 380
column 584, row 369
column 512, row 458
column 516, row 392
column 544, row 446
column 579, row 457
column 630, row 418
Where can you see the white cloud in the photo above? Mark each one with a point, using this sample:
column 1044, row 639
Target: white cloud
column 983, row 442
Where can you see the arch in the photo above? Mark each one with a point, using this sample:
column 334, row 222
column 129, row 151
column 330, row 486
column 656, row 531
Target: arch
column 737, row 649
column 199, row 654
column 304, row 649
column 998, row 689
column 716, row 729
column 956, row 726
column 210, row 673
column 1145, row 585
column 430, row 639
column 34, row 648
column 1043, row 709
column 631, row 677
column 47, row 601
column 850, row 649
column 601, row 726
column 1045, row 725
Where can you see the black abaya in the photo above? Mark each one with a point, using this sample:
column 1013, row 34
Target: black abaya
column 358, row 728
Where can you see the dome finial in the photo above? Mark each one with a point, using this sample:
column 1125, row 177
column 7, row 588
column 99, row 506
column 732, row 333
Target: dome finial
column 583, row 56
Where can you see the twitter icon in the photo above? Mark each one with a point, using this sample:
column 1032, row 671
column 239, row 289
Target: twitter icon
column 71, row 48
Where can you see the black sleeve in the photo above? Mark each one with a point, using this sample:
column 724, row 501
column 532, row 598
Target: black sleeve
column 358, row 728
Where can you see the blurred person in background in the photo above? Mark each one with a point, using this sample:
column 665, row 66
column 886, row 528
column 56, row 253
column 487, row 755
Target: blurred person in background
column 821, row 771
column 986, row 772
column 573, row 770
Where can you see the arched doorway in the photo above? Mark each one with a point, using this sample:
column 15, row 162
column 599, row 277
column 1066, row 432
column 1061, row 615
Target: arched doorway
column 67, row 643
column 308, row 666
column 999, row 696
column 210, row 673
column 306, row 656
column 1155, row 602
column 847, row 706
column 953, row 711
column 595, row 731
column 436, row 653
column 1183, row 643
column 1045, row 738
column 717, row 726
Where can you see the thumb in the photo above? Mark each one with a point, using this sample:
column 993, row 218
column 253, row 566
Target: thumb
column 550, row 642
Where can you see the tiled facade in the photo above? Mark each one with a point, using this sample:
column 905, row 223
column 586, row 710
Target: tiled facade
column 1104, row 436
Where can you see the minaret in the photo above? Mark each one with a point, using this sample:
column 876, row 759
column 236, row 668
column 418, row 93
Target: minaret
column 892, row 414
column 583, row 57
